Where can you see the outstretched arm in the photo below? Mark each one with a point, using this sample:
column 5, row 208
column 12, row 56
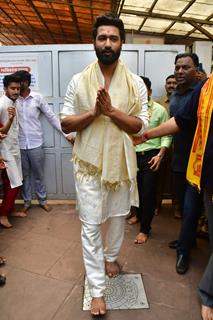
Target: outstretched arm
column 166, row 128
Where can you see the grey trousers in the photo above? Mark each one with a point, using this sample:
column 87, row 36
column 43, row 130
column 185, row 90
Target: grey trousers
column 206, row 283
column 33, row 172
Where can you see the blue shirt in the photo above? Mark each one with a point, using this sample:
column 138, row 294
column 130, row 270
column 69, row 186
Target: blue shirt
column 183, row 106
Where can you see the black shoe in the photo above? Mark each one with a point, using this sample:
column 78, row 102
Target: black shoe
column 173, row 244
column 2, row 280
column 182, row 264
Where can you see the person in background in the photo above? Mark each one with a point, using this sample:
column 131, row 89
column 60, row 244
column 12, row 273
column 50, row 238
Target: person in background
column 200, row 174
column 170, row 86
column 183, row 103
column 2, row 259
column 165, row 173
column 106, row 104
column 30, row 106
column 201, row 73
column 10, row 151
column 149, row 157
column 199, row 169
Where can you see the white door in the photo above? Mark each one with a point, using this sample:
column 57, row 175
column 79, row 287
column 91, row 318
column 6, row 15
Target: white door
column 158, row 65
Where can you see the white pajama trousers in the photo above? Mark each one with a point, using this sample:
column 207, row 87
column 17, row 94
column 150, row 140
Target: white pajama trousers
column 94, row 254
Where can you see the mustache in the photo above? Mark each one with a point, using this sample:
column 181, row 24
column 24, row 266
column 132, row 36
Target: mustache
column 107, row 51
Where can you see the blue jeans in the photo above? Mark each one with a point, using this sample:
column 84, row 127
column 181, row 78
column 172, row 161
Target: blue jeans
column 208, row 200
column 206, row 283
column 193, row 201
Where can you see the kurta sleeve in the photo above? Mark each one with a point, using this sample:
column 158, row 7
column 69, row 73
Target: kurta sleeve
column 69, row 108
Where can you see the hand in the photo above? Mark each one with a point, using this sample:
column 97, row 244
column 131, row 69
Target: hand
column 2, row 163
column 138, row 140
column 103, row 101
column 71, row 138
column 2, row 136
column 155, row 163
column 206, row 312
column 11, row 112
column 97, row 110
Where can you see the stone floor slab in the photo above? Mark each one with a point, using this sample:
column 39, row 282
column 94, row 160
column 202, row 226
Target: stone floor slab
column 123, row 292
column 30, row 296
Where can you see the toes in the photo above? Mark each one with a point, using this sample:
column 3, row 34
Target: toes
column 141, row 238
column 112, row 269
column 98, row 306
column 102, row 312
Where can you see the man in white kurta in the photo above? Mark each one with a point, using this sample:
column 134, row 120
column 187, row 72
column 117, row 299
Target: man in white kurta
column 105, row 104
column 12, row 175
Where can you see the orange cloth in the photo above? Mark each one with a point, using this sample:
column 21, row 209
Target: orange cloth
column 204, row 114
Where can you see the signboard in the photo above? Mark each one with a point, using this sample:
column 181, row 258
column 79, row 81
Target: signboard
column 12, row 62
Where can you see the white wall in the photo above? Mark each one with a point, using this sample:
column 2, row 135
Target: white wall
column 204, row 51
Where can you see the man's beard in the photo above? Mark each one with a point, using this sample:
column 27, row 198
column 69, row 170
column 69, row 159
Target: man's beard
column 105, row 59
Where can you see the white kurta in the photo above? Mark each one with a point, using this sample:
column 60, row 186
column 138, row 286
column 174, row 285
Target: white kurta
column 10, row 150
column 96, row 203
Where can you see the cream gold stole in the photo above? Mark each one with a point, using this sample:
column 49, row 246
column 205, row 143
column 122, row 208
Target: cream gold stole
column 102, row 148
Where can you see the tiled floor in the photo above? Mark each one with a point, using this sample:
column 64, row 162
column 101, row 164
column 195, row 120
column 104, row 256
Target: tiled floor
column 45, row 273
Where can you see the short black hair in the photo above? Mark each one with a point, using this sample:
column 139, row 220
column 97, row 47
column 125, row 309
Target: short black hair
column 193, row 56
column 108, row 20
column 147, row 82
column 7, row 80
column 170, row 76
column 24, row 75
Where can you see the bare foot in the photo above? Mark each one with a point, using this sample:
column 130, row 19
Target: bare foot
column 46, row 207
column 206, row 312
column 141, row 238
column 98, row 306
column 177, row 214
column 112, row 269
column 20, row 214
column 157, row 211
column 132, row 220
column 4, row 222
column 2, row 261
column 25, row 209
